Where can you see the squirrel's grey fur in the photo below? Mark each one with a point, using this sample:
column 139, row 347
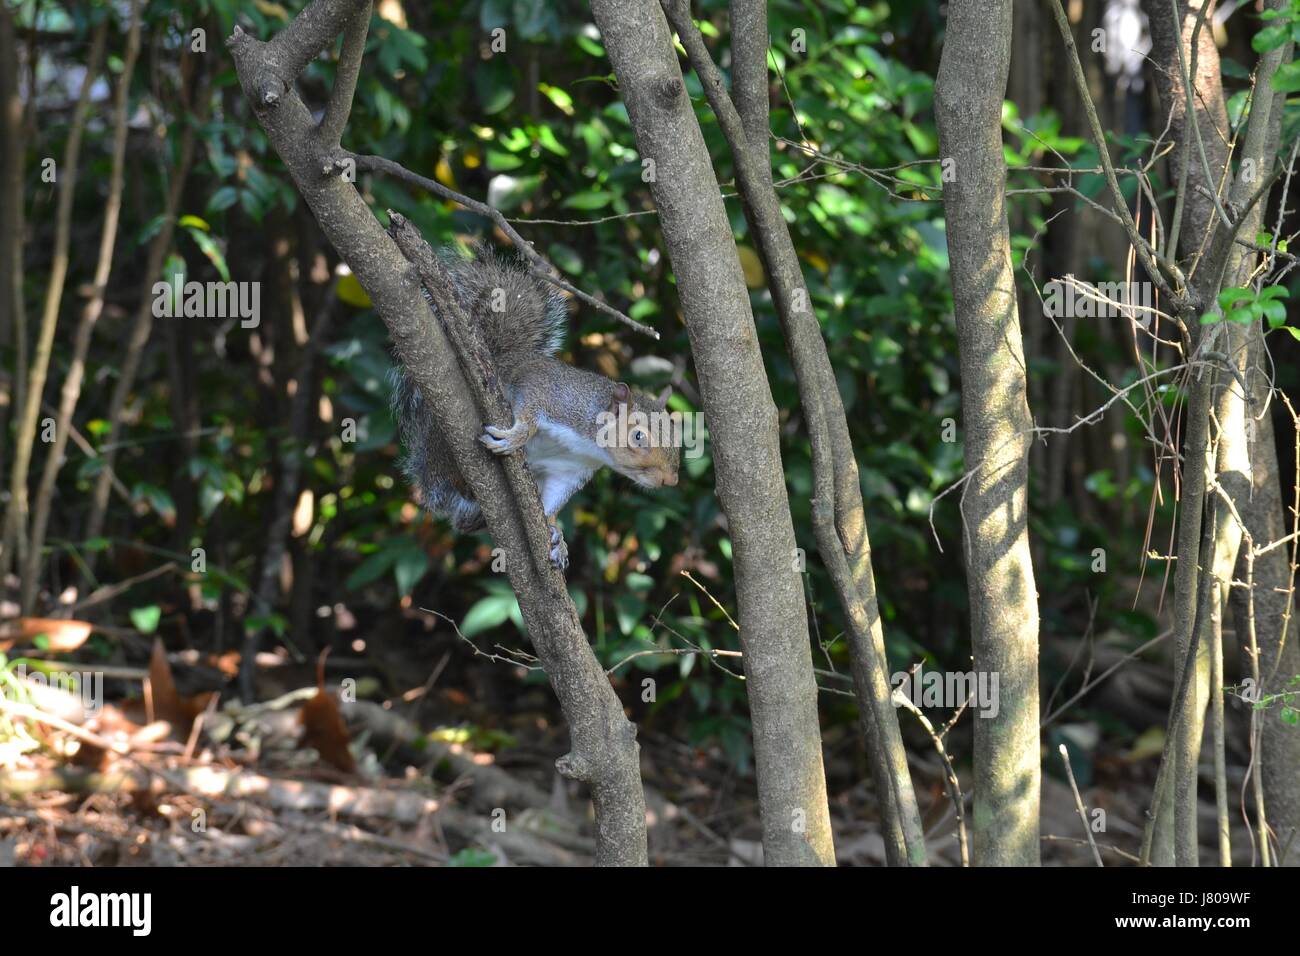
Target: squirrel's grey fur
column 521, row 317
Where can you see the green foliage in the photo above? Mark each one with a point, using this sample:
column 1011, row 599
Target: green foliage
column 1250, row 306
column 541, row 133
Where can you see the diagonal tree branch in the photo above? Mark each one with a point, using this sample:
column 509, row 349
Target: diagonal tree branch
column 537, row 265
column 604, row 749
column 1151, row 260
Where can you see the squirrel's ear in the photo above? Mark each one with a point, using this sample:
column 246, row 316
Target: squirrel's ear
column 666, row 394
column 621, row 393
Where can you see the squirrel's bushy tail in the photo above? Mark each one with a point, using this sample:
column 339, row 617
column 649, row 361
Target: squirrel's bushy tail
column 519, row 313
column 521, row 316
column 427, row 463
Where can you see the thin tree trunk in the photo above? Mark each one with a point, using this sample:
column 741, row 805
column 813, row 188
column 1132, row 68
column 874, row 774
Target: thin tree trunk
column 142, row 325
column 742, row 425
column 838, row 517
column 1279, row 644
column 995, row 413
column 1211, row 261
column 89, row 316
column 12, row 135
column 285, row 494
column 15, row 529
column 1274, row 571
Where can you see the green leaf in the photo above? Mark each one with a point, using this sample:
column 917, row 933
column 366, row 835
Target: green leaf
column 1231, row 296
column 146, row 618
column 209, row 248
column 1287, row 78
column 560, row 98
column 629, row 610
column 491, row 611
column 410, row 566
column 370, row 570
column 1233, row 70
column 157, row 499
column 1271, row 37
column 223, row 198
column 276, row 623
column 494, row 82
column 566, row 257
column 472, row 855
column 210, row 498
column 591, row 199
column 251, row 205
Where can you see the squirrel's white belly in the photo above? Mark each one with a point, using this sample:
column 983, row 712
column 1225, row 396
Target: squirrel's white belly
column 561, row 460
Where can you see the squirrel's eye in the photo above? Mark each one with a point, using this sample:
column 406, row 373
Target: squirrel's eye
column 638, row 438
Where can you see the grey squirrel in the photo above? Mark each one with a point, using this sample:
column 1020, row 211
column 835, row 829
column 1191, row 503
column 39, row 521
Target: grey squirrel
column 563, row 415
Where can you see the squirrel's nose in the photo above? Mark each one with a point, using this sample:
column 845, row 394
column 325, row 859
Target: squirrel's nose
column 670, row 479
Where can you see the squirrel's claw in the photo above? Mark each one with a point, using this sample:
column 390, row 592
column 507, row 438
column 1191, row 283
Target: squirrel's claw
column 559, row 550
column 505, row 440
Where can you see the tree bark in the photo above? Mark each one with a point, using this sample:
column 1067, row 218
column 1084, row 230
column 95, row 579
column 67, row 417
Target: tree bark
column 995, row 414
column 839, row 520
column 1211, row 260
column 742, row 423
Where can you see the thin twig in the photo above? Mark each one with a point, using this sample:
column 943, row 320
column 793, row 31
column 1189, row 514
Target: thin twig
column 537, row 265
column 1078, row 804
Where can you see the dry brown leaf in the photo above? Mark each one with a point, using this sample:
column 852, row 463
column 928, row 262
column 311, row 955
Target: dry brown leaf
column 64, row 635
column 160, row 695
column 323, row 727
column 167, row 704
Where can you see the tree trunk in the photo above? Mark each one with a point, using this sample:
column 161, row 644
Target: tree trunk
column 11, row 221
column 995, row 414
column 1235, row 451
column 839, row 521
column 742, row 424
column 15, row 526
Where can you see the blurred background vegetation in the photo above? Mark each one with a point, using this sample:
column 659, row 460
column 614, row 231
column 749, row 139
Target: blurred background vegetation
column 540, row 132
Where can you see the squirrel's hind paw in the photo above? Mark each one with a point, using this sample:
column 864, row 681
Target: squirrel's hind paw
column 505, row 440
column 559, row 550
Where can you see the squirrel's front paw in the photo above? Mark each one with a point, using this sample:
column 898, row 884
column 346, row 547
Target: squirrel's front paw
column 559, row 550
column 505, row 440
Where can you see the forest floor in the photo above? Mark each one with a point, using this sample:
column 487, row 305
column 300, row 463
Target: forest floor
column 458, row 770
